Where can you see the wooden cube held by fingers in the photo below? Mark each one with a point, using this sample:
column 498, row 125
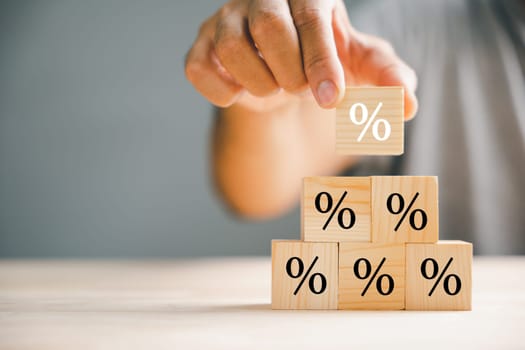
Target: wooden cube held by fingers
column 370, row 120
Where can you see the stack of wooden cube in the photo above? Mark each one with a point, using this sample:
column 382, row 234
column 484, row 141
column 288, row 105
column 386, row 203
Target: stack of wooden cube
column 371, row 243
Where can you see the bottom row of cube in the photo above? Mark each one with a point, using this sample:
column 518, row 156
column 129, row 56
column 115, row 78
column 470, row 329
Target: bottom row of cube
column 371, row 276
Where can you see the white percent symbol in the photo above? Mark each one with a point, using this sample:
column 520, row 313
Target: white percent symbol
column 369, row 121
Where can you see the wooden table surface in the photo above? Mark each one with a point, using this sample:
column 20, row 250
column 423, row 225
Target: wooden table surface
column 225, row 304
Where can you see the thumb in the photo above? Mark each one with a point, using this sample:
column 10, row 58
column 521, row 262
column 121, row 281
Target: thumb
column 371, row 60
column 399, row 74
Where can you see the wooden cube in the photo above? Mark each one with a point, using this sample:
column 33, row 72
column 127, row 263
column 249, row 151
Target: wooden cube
column 336, row 209
column 304, row 275
column 405, row 209
column 439, row 276
column 371, row 276
column 370, row 120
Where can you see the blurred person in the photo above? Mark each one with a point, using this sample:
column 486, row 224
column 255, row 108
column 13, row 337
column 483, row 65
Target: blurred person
column 275, row 69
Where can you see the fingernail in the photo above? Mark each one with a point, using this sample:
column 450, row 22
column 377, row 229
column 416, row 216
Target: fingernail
column 326, row 93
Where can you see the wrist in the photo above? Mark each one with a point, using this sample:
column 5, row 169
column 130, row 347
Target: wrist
column 279, row 103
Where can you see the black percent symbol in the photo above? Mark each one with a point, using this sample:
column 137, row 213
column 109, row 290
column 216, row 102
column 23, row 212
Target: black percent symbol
column 335, row 210
column 300, row 270
column 406, row 211
column 368, row 272
column 434, row 272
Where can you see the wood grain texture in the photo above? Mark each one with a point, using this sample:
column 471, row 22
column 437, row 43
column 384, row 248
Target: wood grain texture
column 392, row 111
column 351, row 286
column 418, row 288
column 283, row 286
column 357, row 199
column 384, row 222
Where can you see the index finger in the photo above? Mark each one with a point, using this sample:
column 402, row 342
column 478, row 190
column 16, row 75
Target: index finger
column 323, row 70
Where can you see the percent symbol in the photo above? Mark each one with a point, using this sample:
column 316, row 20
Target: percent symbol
column 369, row 121
column 300, row 270
column 368, row 272
column 405, row 212
column 333, row 210
column 434, row 273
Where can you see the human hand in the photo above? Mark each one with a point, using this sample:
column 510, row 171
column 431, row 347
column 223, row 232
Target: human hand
column 274, row 49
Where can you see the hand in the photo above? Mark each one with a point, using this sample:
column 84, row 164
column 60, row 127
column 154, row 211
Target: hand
column 271, row 48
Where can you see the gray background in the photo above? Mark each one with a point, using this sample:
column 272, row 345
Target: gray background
column 103, row 143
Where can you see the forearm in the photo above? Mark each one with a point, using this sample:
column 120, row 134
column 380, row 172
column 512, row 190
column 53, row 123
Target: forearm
column 260, row 48
column 260, row 155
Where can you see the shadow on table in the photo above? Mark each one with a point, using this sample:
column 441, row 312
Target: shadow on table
column 80, row 305
column 238, row 307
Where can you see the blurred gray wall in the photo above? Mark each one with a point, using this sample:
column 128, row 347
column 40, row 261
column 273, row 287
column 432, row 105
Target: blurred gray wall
column 103, row 143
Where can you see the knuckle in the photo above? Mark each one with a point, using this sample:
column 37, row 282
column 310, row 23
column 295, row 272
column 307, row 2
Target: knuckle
column 225, row 11
column 202, row 28
column 228, row 39
column 192, row 69
column 316, row 61
column 308, row 17
column 226, row 44
column 265, row 21
column 205, row 26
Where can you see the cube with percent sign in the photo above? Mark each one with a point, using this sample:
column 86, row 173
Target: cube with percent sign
column 304, row 275
column 371, row 121
column 335, row 209
column 404, row 209
column 439, row 276
column 371, row 276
